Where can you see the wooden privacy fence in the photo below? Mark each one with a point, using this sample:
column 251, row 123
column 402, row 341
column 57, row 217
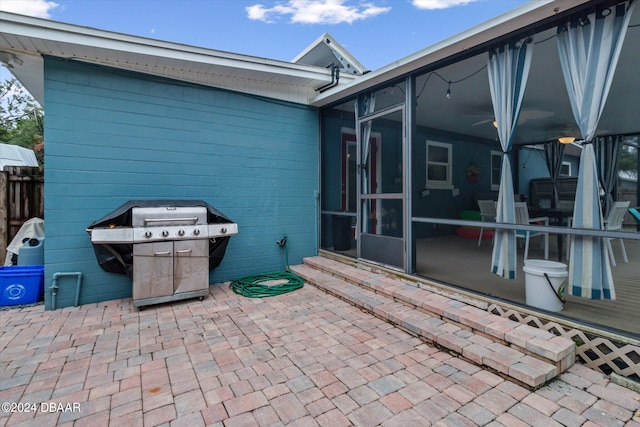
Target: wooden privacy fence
column 21, row 198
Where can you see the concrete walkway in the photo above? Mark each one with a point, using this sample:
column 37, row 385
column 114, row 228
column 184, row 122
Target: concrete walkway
column 301, row 359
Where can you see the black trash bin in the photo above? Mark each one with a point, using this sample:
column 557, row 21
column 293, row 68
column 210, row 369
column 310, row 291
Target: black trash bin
column 341, row 232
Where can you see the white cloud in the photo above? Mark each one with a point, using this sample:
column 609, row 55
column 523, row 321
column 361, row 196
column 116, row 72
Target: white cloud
column 439, row 4
column 36, row 8
column 315, row 11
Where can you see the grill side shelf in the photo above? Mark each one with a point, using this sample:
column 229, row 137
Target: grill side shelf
column 221, row 230
column 111, row 235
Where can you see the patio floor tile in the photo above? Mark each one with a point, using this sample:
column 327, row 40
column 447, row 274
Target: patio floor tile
column 304, row 358
column 455, row 325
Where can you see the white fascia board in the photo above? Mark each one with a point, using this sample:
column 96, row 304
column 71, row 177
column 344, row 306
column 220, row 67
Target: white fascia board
column 336, row 47
column 514, row 20
column 68, row 34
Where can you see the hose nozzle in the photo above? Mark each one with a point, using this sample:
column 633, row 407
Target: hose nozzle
column 282, row 242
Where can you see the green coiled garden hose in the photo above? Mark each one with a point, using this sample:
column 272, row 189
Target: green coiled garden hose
column 269, row 284
column 258, row 286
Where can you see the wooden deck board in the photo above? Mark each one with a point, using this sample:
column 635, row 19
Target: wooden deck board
column 460, row 262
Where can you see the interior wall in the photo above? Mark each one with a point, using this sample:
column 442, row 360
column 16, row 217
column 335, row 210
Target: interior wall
column 465, row 152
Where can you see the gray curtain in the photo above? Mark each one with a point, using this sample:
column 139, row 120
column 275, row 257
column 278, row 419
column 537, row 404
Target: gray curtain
column 553, row 154
column 607, row 149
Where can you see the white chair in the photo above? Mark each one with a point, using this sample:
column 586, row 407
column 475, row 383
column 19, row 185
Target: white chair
column 522, row 217
column 614, row 222
column 487, row 213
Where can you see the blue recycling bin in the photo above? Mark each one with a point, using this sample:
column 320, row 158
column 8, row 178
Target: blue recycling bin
column 21, row 284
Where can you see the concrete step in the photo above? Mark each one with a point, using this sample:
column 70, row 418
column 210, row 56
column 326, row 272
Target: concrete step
column 528, row 355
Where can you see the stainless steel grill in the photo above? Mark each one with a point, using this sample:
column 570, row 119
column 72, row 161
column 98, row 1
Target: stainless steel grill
column 170, row 246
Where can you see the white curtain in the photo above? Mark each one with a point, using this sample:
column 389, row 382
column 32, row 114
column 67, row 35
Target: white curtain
column 589, row 267
column 589, row 48
column 508, row 69
column 365, row 105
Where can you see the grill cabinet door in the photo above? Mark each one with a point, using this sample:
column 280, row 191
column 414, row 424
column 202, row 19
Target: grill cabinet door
column 191, row 265
column 153, row 271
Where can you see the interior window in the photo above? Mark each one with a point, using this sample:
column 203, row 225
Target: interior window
column 439, row 164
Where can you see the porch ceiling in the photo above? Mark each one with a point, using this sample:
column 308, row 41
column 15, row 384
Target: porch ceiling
column 546, row 112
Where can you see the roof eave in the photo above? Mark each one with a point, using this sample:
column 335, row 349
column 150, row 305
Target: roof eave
column 104, row 47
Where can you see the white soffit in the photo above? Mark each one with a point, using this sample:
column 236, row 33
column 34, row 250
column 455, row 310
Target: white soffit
column 514, row 20
column 30, row 38
column 325, row 51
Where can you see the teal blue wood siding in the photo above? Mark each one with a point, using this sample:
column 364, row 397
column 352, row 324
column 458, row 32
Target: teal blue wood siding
column 113, row 136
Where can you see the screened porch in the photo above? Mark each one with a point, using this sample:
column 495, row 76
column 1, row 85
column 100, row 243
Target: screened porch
column 405, row 163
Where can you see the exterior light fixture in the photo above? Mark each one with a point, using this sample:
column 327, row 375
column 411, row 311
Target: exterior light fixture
column 449, row 90
column 566, row 139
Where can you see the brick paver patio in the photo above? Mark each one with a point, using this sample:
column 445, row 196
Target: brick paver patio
column 301, row 359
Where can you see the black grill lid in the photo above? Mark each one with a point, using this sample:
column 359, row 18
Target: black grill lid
column 118, row 258
column 121, row 217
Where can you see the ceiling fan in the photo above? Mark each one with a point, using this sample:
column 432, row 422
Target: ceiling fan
column 564, row 131
column 566, row 134
column 525, row 116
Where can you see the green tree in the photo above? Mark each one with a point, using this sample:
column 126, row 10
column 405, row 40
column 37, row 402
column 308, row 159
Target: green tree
column 21, row 118
column 629, row 160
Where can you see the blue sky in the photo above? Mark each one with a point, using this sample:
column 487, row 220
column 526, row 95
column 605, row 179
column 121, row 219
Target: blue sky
column 376, row 32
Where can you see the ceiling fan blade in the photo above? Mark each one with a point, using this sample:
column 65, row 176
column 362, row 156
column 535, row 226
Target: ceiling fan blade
column 481, row 122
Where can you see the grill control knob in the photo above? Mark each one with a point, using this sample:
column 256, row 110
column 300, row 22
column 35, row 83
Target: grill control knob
column 196, row 232
column 165, row 233
column 148, row 234
column 180, row 233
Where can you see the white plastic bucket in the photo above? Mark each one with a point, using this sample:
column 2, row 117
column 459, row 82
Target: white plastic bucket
column 538, row 292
